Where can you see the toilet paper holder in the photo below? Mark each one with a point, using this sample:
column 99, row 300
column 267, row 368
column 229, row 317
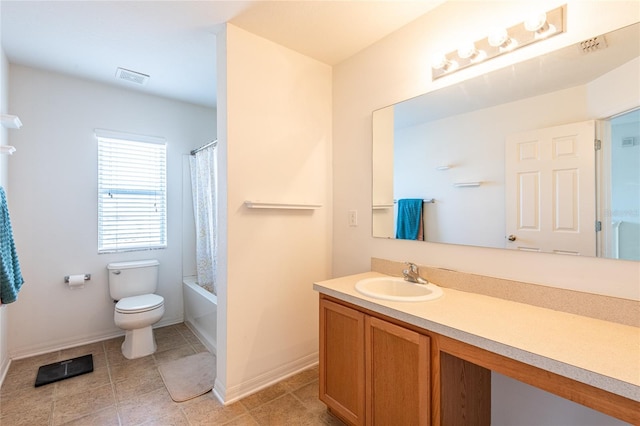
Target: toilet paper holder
column 86, row 278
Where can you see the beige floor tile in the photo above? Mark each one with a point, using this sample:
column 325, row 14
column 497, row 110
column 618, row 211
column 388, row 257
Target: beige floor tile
column 19, row 387
column 26, row 399
column 261, row 397
column 172, row 417
column 131, row 392
column 144, row 382
column 303, row 378
column 190, row 337
column 246, row 420
column 115, row 357
column 132, row 368
column 199, row 347
column 207, row 410
column 170, row 341
column 285, row 410
column 34, row 416
column 181, row 327
column 99, row 377
column 173, row 354
column 330, row 420
column 115, row 343
column 73, row 407
column 150, row 406
column 308, row 395
column 105, row 417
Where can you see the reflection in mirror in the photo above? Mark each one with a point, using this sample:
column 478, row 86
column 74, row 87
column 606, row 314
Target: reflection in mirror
column 508, row 159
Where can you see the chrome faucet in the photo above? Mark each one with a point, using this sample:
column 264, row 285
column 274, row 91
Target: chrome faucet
column 413, row 274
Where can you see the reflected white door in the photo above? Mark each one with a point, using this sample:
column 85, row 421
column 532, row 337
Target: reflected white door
column 550, row 190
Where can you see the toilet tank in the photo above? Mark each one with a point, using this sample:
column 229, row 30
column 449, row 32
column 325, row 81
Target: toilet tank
column 128, row 279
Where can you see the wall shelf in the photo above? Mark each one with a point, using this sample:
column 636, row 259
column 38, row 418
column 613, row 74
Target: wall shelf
column 281, row 206
column 382, row 206
column 466, row 184
column 10, row 121
column 7, row 150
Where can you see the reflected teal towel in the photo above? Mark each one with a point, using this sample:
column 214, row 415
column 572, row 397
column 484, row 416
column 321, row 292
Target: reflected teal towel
column 10, row 276
column 409, row 218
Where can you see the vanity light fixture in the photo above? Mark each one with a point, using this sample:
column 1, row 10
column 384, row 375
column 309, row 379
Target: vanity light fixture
column 470, row 52
column 440, row 62
column 538, row 27
column 499, row 37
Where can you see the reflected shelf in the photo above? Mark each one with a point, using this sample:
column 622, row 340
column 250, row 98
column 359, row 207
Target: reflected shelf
column 281, row 206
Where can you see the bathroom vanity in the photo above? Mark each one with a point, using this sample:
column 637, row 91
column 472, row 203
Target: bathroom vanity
column 387, row 362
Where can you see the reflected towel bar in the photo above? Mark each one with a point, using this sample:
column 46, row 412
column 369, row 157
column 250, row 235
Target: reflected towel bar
column 429, row 200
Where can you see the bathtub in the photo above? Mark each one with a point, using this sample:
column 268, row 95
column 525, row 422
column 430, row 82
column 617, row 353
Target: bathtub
column 200, row 312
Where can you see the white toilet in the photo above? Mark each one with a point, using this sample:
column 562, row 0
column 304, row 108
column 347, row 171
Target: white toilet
column 132, row 284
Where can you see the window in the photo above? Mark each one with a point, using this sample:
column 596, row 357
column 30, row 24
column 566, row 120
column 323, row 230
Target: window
column 132, row 194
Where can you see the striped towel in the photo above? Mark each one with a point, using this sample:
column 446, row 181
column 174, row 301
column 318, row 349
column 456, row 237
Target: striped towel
column 10, row 275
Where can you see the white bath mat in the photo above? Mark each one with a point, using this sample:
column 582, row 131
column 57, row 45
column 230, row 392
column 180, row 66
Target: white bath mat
column 189, row 377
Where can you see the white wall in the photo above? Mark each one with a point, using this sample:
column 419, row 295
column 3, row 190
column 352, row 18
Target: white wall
column 275, row 142
column 4, row 101
column 53, row 182
column 397, row 68
column 474, row 145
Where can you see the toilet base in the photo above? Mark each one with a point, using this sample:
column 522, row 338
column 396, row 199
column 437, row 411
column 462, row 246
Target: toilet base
column 138, row 343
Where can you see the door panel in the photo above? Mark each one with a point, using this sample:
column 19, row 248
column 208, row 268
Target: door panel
column 550, row 190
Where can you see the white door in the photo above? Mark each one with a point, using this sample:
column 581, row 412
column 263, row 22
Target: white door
column 550, row 190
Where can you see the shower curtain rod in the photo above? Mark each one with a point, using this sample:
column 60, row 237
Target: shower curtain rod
column 212, row 143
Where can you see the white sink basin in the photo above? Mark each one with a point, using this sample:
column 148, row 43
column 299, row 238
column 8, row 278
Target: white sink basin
column 397, row 289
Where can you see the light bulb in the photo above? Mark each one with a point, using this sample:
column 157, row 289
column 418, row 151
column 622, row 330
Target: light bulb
column 498, row 37
column 440, row 62
column 469, row 51
column 538, row 24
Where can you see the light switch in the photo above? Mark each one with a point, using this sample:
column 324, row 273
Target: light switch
column 353, row 217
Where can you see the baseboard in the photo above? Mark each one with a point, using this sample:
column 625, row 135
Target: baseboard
column 4, row 369
column 52, row 346
column 235, row 393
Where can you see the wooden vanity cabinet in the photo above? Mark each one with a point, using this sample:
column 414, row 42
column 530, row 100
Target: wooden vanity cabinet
column 372, row 372
column 342, row 372
column 397, row 374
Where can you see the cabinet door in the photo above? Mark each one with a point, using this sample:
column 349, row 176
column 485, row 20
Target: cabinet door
column 397, row 375
column 342, row 361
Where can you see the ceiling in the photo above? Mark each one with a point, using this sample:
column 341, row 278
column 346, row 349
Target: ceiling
column 174, row 41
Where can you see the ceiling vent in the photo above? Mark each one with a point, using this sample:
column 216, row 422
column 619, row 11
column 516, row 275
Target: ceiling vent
column 593, row 44
column 132, row 76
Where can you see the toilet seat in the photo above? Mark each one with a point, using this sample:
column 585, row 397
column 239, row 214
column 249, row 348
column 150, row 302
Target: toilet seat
column 138, row 304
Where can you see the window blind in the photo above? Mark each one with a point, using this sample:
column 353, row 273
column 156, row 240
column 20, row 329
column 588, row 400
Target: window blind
column 132, row 202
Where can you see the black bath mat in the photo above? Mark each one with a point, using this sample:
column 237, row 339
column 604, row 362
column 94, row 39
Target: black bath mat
column 64, row 370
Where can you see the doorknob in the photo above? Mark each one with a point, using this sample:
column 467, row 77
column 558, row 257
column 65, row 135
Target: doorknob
column 511, row 237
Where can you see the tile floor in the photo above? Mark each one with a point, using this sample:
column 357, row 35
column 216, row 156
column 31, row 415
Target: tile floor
column 131, row 392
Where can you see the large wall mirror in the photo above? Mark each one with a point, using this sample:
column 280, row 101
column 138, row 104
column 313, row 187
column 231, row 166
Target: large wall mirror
column 541, row 156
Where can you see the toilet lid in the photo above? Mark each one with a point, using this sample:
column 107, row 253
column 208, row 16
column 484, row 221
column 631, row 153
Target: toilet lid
column 136, row 304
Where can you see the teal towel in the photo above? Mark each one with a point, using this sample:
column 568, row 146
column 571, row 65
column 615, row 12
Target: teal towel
column 10, row 276
column 409, row 218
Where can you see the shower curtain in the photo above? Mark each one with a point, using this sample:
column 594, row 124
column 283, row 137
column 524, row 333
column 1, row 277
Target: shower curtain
column 204, row 190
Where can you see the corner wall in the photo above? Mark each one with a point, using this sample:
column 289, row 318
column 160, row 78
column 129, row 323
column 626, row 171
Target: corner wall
column 53, row 198
column 274, row 109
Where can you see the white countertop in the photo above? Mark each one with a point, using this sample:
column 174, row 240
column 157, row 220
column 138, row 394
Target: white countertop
column 599, row 353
